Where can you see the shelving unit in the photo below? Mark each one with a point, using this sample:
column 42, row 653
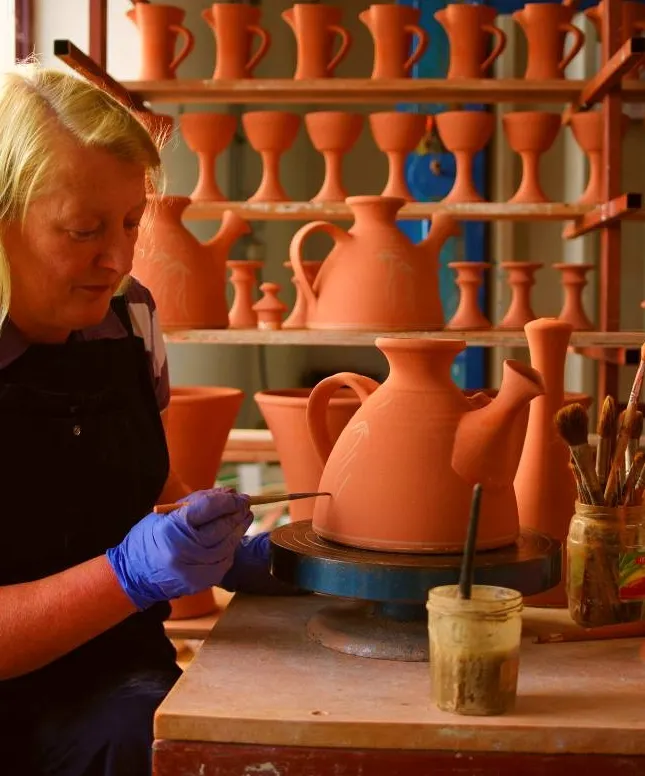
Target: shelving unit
column 608, row 345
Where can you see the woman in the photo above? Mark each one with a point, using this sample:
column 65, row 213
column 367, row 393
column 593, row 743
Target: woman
column 86, row 570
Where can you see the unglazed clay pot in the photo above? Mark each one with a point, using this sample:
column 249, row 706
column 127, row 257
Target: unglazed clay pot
column 159, row 27
column 469, row 28
column 285, row 413
column 298, row 316
column 402, row 470
column 574, row 280
column 269, row 309
column 544, row 484
column 464, row 133
column 207, row 134
column 530, row 134
column 397, row 134
column 333, row 133
column 270, row 133
column 234, row 26
column 243, row 279
column 374, row 277
column 521, row 278
column 545, row 26
column 315, row 26
column 392, row 26
column 470, row 278
column 632, row 24
column 187, row 278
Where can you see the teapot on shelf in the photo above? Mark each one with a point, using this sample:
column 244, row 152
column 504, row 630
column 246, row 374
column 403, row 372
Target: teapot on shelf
column 375, row 277
column 402, row 470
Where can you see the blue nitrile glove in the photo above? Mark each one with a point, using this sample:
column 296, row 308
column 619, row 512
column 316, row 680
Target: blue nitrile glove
column 250, row 570
column 182, row 552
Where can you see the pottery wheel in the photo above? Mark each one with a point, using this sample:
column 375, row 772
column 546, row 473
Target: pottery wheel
column 385, row 616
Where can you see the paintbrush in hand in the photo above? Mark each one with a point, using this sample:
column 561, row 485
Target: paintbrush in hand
column 572, row 423
column 270, row 498
column 606, row 439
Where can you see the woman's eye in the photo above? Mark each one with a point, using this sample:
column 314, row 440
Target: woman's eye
column 132, row 227
column 83, row 234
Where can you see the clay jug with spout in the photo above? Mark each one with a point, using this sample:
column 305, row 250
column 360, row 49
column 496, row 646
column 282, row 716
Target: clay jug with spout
column 187, row 278
column 402, row 470
column 374, row 277
column 392, row 27
column 545, row 26
column 159, row 27
column 469, row 28
column 316, row 26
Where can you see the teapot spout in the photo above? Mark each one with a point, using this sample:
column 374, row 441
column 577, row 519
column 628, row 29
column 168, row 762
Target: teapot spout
column 443, row 227
column 489, row 440
column 232, row 227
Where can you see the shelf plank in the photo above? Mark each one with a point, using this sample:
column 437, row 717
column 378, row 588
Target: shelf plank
column 334, row 338
column 339, row 211
column 625, row 207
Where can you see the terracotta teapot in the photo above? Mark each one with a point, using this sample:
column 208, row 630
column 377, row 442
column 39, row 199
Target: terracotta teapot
column 186, row 277
column 374, row 277
column 545, row 26
column 159, row 28
column 402, row 470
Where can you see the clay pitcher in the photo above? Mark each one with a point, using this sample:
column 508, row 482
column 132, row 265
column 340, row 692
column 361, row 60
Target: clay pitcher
column 632, row 24
column 187, row 278
column 285, row 413
column 402, row 470
column 234, row 26
column 315, row 26
column 374, row 277
column 469, row 28
column 544, row 484
column 546, row 26
column 392, row 27
column 159, row 27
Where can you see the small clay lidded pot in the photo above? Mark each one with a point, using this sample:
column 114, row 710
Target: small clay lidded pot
column 269, row 309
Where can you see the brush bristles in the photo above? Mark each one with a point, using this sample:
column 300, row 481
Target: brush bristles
column 636, row 428
column 572, row 423
column 607, row 422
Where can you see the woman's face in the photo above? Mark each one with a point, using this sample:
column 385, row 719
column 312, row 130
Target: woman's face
column 76, row 244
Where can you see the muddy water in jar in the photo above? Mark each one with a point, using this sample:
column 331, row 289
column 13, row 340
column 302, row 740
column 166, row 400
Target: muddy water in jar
column 474, row 648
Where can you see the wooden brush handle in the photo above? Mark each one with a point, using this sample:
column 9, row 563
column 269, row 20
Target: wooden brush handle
column 254, row 501
column 611, row 489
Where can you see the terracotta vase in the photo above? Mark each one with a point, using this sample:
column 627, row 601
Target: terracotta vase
column 207, row 134
column 234, row 26
column 298, row 316
column 397, row 134
column 159, row 28
column 469, row 28
column 285, row 413
column 187, row 278
column 315, row 26
column 530, row 134
column 470, row 277
column 392, row 26
column 632, row 24
column 271, row 133
column 521, row 278
column 269, row 309
column 159, row 125
column 374, row 278
column 333, row 134
column 546, row 26
column 464, row 133
column 574, row 281
column 416, row 434
column 244, row 280
column 544, row 484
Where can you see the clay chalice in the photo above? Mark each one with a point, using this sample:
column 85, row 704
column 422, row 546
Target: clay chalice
column 397, row 134
column 207, row 134
column 530, row 134
column 333, row 134
column 271, row 133
column 464, row 133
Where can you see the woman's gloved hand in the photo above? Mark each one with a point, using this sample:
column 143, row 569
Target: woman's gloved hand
column 182, row 552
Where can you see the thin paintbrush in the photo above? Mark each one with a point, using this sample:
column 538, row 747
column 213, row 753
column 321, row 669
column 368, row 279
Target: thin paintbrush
column 634, row 440
column 583, row 496
column 572, row 424
column 271, row 498
column 606, row 439
column 635, row 470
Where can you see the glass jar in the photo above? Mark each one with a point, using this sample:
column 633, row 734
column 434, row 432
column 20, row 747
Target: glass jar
column 599, row 537
column 474, row 648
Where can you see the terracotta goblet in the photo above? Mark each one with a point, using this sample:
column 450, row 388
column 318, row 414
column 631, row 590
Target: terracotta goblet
column 243, row 279
column 397, row 134
column 573, row 282
column 207, row 134
column 521, row 278
column 464, row 133
column 333, row 133
column 470, row 276
column 297, row 318
column 530, row 134
column 270, row 133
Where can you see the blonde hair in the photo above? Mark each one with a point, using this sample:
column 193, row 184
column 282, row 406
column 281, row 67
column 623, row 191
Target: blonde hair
column 32, row 101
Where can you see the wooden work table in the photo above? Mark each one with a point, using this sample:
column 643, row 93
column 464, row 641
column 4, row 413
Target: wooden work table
column 262, row 698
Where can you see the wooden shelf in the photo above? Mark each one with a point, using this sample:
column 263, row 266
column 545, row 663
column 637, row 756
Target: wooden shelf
column 366, row 91
column 339, row 211
column 334, row 338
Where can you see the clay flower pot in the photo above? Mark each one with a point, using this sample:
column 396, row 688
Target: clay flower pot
column 234, row 26
column 521, row 278
column 270, row 133
column 269, row 309
column 464, row 133
column 298, row 316
column 470, row 277
column 469, row 29
column 333, row 133
column 159, row 27
column 397, row 134
column 574, row 281
column 530, row 134
column 392, row 27
column 207, row 134
column 546, row 26
column 315, row 26
column 632, row 24
column 244, row 280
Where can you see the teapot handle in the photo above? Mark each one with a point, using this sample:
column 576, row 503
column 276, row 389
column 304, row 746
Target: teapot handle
column 265, row 42
column 345, row 43
column 500, row 45
column 295, row 255
column 578, row 42
column 423, row 39
column 319, row 401
column 189, row 43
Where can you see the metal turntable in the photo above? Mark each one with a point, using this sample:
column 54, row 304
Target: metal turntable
column 384, row 614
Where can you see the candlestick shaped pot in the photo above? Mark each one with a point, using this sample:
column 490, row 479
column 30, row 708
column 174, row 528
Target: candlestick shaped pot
column 470, row 277
column 574, row 280
column 244, row 280
column 521, row 278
